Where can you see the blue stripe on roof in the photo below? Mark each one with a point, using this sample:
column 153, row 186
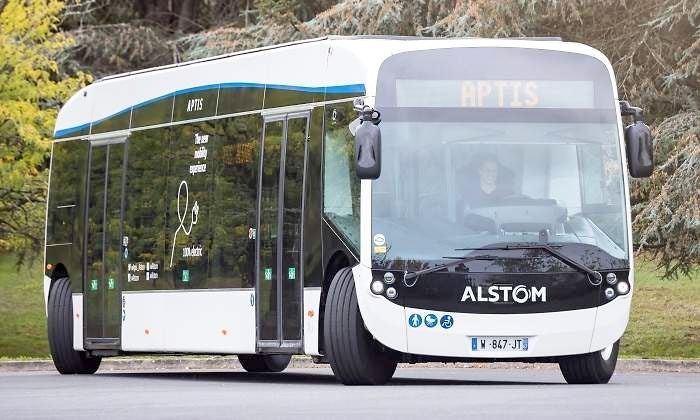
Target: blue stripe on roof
column 66, row 131
column 242, row 85
column 360, row 88
column 355, row 88
column 196, row 89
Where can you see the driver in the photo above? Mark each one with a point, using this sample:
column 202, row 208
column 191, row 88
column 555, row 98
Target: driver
column 489, row 187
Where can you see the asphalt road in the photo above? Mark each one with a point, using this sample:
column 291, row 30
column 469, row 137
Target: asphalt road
column 414, row 393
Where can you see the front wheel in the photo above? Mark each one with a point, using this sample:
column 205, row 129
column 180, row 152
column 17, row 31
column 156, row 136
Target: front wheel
column 60, row 332
column 354, row 356
column 590, row 368
column 267, row 363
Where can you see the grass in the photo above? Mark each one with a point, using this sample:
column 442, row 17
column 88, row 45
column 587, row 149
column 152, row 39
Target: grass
column 665, row 319
column 22, row 318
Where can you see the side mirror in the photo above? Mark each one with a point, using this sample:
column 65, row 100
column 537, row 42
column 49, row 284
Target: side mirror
column 368, row 151
column 640, row 150
column 368, row 140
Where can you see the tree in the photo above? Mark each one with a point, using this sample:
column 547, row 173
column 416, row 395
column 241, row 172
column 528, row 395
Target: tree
column 654, row 46
column 31, row 91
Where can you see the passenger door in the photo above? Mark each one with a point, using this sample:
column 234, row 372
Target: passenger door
column 103, row 247
column 278, row 253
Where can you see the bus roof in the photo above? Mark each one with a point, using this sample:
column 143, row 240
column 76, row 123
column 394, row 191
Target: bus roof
column 330, row 66
column 305, row 41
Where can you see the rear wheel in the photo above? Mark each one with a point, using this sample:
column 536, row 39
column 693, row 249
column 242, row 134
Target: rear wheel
column 264, row 362
column 591, row 368
column 60, row 332
column 355, row 357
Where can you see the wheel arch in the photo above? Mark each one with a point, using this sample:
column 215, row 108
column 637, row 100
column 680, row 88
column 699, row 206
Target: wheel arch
column 59, row 271
column 338, row 260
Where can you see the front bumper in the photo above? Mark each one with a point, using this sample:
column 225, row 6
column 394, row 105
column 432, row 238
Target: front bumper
column 549, row 333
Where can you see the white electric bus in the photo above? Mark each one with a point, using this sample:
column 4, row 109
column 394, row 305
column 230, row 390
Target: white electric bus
column 362, row 200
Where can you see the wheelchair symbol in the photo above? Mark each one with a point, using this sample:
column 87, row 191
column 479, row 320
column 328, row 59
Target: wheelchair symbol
column 447, row 321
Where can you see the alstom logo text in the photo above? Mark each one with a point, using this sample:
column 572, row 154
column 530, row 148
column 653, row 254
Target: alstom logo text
column 505, row 293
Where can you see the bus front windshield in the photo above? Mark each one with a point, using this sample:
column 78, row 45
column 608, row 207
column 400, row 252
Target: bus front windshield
column 487, row 146
column 451, row 185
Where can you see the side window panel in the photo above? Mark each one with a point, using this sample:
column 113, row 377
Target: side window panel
column 268, row 229
column 234, row 156
column 341, row 187
column 65, row 217
column 67, row 174
column 313, row 272
column 145, row 209
column 189, row 205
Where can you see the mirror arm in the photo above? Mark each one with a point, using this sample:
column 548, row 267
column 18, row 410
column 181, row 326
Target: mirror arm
column 628, row 110
column 366, row 113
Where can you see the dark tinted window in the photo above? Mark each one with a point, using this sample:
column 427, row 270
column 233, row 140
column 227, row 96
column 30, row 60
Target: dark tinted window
column 189, row 204
column 67, row 183
column 269, row 207
column 197, row 104
column 291, row 229
column 234, row 156
column 341, row 187
column 515, row 78
column 235, row 98
column 146, row 198
column 156, row 111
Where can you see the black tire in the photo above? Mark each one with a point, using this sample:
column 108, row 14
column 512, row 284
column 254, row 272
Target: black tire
column 590, row 368
column 60, row 332
column 264, row 362
column 355, row 357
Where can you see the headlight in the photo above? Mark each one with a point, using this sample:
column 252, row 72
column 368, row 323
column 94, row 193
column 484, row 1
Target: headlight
column 377, row 287
column 623, row 288
column 611, row 278
column 609, row 293
column 391, row 293
column 389, row 278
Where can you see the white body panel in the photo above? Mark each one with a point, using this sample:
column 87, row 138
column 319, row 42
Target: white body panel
column 550, row 334
column 610, row 323
column 383, row 319
column 312, row 302
column 197, row 321
column 78, row 321
column 47, row 288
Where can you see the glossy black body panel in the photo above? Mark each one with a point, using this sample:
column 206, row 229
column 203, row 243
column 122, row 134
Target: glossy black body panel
column 566, row 288
column 157, row 111
column 200, row 103
column 116, row 122
column 233, row 99
column 65, row 224
column 313, row 267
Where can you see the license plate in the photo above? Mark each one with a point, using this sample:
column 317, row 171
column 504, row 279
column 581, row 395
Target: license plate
column 499, row 344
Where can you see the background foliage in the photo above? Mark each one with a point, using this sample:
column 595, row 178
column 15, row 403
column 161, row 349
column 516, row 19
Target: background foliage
column 654, row 46
column 32, row 87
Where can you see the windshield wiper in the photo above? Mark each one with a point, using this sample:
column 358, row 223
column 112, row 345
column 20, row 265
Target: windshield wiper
column 457, row 260
column 594, row 277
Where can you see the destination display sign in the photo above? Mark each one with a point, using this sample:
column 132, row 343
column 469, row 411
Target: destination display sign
column 494, row 93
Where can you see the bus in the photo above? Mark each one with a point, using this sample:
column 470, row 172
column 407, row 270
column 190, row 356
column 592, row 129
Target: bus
column 365, row 201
